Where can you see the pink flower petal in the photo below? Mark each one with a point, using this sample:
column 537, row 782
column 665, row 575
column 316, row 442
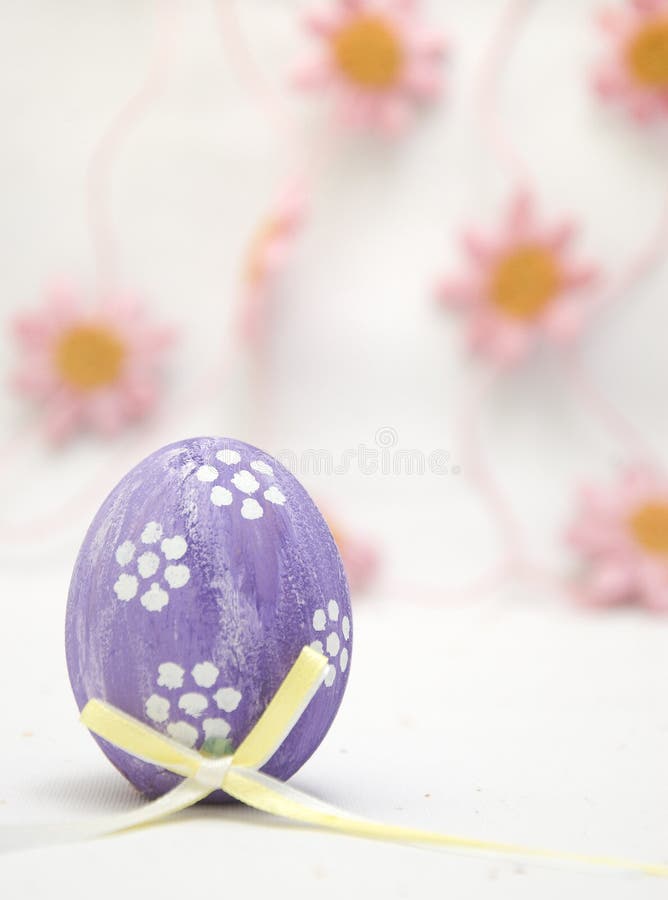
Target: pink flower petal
column 646, row 7
column 610, row 20
column 559, row 236
column 520, row 215
column 64, row 416
column 393, row 115
column 480, row 250
column 387, row 110
column 564, row 320
column 36, row 378
column 503, row 343
column 610, row 80
column 105, row 411
column 427, row 43
column 653, row 586
column 140, row 395
column 66, row 406
column 314, row 74
column 423, row 80
column 458, row 293
column 576, row 277
column 323, row 22
column 610, row 584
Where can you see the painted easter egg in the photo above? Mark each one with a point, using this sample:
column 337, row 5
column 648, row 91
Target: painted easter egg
column 204, row 573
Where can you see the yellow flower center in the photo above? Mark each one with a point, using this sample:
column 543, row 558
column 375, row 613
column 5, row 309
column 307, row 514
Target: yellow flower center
column 254, row 268
column 368, row 52
column 89, row 356
column 649, row 526
column 647, row 54
column 525, row 281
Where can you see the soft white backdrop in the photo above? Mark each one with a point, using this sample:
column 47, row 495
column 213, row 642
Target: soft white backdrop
column 513, row 717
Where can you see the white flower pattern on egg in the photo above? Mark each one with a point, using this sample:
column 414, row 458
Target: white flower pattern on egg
column 228, row 457
column 216, row 728
column 125, row 553
column 183, row 733
column 193, row 704
column 126, row 586
column 264, row 468
column 155, row 598
column 170, row 675
column 251, row 509
column 273, row 495
column 205, row 674
column 227, row 699
column 151, row 533
column 326, row 620
column 177, row 576
column 157, row 708
column 244, row 481
column 148, row 565
column 174, row 547
column 221, row 496
column 212, row 731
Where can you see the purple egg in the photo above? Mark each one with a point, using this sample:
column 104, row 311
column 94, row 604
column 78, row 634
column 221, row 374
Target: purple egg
column 204, row 573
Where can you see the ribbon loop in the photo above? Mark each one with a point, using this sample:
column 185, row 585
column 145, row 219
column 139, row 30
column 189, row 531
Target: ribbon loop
column 212, row 772
column 238, row 775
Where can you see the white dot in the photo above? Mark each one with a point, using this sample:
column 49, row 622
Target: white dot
column 126, row 586
column 155, row 598
column 207, row 473
column 220, row 496
column 177, row 576
column 229, row 457
column 227, row 699
column 148, row 563
column 317, row 646
column 174, row 547
column 333, row 610
column 319, row 620
column 183, row 733
column 193, row 704
column 333, row 644
column 245, row 481
column 343, row 659
column 125, row 553
column 273, row 495
column 151, row 533
column 330, row 675
column 259, row 466
column 251, row 509
column 157, row 708
column 205, row 674
column 170, row 675
column 216, row 728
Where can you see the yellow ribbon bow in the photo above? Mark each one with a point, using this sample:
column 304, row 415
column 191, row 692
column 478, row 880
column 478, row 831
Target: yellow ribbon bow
column 239, row 776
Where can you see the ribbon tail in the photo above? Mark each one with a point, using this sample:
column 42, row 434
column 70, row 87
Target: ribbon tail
column 26, row 837
column 271, row 796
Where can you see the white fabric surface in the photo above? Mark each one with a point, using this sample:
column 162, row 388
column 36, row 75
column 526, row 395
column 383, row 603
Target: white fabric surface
column 512, row 717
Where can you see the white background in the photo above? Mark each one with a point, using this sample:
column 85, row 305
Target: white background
column 511, row 716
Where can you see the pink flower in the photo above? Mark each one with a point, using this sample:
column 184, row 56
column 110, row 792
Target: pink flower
column 268, row 255
column 360, row 557
column 89, row 366
column 520, row 286
column 621, row 532
column 635, row 73
column 377, row 59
